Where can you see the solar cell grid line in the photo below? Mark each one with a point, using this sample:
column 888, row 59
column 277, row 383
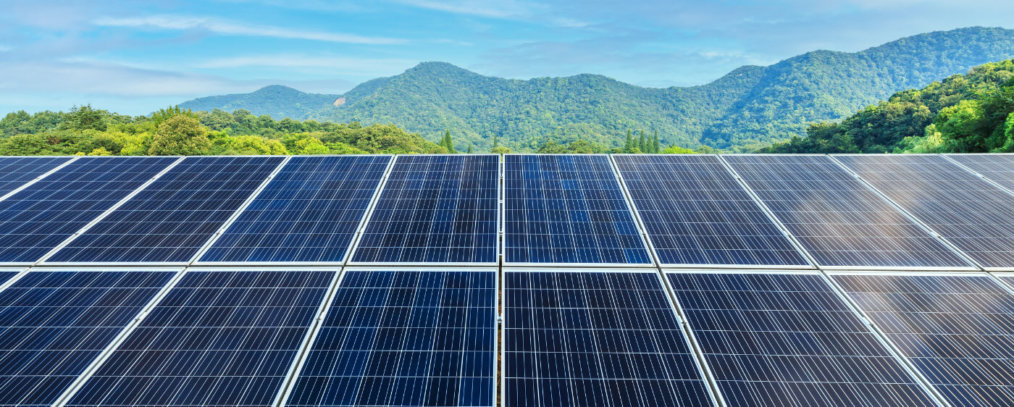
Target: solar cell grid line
column 957, row 329
column 697, row 214
column 308, row 213
column 840, row 221
column 53, row 324
column 998, row 168
column 967, row 211
column 171, row 220
column 568, row 209
column 217, row 338
column 38, row 219
column 789, row 340
column 19, row 172
column 434, row 210
column 601, row 337
column 404, row 337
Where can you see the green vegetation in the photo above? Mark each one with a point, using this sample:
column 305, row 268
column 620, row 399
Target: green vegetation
column 973, row 112
column 749, row 108
column 176, row 131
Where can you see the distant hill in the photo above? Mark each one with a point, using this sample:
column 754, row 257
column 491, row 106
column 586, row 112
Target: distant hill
column 748, row 108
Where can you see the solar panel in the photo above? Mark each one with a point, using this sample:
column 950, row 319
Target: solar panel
column 836, row 218
column 696, row 213
column 217, row 338
column 54, row 323
column 309, row 212
column 400, row 338
column 971, row 213
column 789, row 340
column 171, row 219
column 998, row 168
column 37, row 219
column 958, row 331
column 594, row 339
column 567, row 209
column 16, row 171
column 435, row 209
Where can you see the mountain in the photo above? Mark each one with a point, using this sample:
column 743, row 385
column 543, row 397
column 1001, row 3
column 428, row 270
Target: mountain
column 750, row 107
column 973, row 112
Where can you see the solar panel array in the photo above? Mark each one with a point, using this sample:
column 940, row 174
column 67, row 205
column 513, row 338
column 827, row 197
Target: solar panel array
column 696, row 213
column 789, row 340
column 969, row 212
column 171, row 219
column 449, row 280
column 404, row 338
column 958, row 331
column 435, row 209
column 836, row 218
column 18, row 171
column 567, row 209
column 36, row 220
column 308, row 213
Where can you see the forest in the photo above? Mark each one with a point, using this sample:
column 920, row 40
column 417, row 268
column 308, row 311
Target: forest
column 968, row 113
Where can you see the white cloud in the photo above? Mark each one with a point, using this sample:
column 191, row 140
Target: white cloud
column 344, row 64
column 498, row 9
column 225, row 27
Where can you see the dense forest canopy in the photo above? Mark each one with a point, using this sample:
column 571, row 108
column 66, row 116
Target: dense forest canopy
column 973, row 112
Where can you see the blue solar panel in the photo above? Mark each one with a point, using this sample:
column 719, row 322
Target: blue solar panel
column 568, row 209
column 435, row 209
column 307, row 213
column 958, row 331
column 789, row 340
column 971, row 213
column 54, row 324
column 16, row 171
column 404, row 339
column 39, row 218
column 697, row 213
column 171, row 219
column 216, row 339
column 595, row 339
column 836, row 218
column 998, row 168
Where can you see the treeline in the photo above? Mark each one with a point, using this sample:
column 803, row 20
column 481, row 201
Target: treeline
column 175, row 131
column 966, row 113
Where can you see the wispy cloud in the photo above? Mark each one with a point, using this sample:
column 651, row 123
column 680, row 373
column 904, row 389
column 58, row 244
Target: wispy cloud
column 498, row 9
column 226, row 27
column 343, row 64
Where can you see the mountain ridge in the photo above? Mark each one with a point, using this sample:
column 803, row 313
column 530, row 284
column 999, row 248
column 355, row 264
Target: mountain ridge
column 748, row 107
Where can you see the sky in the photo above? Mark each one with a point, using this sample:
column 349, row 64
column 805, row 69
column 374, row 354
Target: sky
column 135, row 57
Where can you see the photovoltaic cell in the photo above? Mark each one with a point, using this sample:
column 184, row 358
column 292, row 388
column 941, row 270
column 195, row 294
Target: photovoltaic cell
column 217, row 339
column 399, row 338
column 835, row 217
column 53, row 324
column 171, row 219
column 568, row 209
column 697, row 213
column 307, row 213
column 789, row 340
column 971, row 213
column 595, row 339
column 998, row 168
column 39, row 218
column 16, row 171
column 435, row 209
column 958, row 331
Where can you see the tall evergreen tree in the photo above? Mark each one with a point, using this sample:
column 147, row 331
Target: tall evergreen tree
column 629, row 145
column 656, row 146
column 642, row 143
column 447, row 143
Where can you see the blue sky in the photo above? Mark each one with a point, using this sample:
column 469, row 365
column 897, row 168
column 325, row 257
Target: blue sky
column 137, row 56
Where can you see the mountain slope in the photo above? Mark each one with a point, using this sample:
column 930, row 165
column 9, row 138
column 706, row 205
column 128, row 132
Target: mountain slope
column 747, row 108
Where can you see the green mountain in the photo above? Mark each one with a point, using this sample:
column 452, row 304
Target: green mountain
column 748, row 108
column 973, row 112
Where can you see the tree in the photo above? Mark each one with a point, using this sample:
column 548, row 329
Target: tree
column 961, row 126
column 656, row 145
column 310, row 146
column 469, row 149
column 500, row 150
column 642, row 143
column 628, row 146
column 180, row 135
column 447, row 144
column 678, row 150
column 85, row 118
